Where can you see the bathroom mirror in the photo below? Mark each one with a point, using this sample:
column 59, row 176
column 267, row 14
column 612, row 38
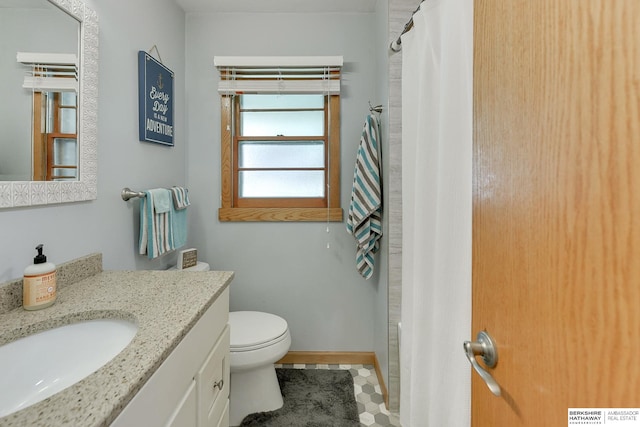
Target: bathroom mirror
column 17, row 188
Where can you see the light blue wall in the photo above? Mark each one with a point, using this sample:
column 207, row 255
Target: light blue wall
column 286, row 268
column 109, row 225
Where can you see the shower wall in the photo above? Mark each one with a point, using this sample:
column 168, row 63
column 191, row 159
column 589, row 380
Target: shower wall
column 399, row 14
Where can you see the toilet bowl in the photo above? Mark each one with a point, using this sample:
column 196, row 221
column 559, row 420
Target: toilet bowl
column 258, row 340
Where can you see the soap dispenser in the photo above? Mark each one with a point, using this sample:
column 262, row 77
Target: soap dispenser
column 39, row 283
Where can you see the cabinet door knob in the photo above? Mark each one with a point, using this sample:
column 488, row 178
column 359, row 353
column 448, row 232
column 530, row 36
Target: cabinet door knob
column 218, row 384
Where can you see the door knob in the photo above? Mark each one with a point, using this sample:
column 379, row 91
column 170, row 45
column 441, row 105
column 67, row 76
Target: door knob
column 486, row 348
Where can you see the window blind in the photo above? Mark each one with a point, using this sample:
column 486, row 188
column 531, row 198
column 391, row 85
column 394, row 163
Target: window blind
column 50, row 72
column 279, row 74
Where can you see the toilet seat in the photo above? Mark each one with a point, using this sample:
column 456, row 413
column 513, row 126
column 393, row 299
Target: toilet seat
column 259, row 346
column 253, row 330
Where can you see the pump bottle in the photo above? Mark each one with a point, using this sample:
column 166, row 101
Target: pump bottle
column 39, row 283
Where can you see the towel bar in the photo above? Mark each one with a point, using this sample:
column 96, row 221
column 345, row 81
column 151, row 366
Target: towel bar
column 128, row 193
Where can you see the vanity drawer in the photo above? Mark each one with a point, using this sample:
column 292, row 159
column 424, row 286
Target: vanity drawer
column 213, row 383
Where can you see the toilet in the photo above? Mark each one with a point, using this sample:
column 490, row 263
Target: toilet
column 258, row 340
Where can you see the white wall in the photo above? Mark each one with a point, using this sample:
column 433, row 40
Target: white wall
column 285, row 268
column 109, row 225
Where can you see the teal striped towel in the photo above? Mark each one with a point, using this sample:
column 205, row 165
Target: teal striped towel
column 180, row 203
column 156, row 230
column 365, row 210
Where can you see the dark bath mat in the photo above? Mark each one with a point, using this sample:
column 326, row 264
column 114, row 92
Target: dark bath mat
column 312, row 398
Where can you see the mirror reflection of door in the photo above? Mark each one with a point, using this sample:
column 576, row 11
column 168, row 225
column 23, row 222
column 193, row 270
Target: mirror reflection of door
column 55, row 139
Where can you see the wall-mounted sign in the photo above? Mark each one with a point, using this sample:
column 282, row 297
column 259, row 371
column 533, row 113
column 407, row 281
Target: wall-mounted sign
column 155, row 100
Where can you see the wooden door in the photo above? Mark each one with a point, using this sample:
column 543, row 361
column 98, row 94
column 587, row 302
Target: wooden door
column 556, row 206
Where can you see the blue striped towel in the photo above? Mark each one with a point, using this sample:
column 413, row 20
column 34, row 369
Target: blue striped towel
column 156, row 231
column 179, row 223
column 365, row 211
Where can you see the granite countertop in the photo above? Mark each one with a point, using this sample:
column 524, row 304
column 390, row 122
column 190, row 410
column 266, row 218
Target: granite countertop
column 164, row 304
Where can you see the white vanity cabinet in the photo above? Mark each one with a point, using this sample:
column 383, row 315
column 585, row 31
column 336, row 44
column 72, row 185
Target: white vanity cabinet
column 191, row 387
column 186, row 411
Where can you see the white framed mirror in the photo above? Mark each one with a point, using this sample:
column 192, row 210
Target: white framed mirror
column 15, row 194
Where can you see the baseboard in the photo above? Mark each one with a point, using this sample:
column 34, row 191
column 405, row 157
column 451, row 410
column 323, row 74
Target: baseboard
column 337, row 358
column 383, row 387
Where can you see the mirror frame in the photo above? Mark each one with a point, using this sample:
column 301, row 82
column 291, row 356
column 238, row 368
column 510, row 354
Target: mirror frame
column 35, row 193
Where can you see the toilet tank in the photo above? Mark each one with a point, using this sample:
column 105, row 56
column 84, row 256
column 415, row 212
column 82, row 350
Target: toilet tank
column 200, row 266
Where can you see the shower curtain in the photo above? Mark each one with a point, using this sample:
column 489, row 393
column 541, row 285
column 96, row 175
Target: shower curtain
column 437, row 66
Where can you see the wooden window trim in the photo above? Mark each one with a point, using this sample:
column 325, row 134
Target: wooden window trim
column 51, row 166
column 229, row 212
column 39, row 144
column 43, row 164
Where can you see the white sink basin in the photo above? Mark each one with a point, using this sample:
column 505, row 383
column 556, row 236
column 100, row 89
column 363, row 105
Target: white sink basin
column 40, row 365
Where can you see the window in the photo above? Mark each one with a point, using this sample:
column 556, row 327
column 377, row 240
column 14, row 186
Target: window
column 280, row 143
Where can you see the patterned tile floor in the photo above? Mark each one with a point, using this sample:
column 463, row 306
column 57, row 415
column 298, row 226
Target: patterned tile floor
column 366, row 387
